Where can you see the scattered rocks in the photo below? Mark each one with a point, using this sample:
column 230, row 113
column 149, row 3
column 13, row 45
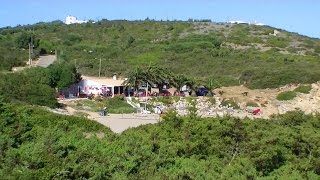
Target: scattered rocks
column 264, row 99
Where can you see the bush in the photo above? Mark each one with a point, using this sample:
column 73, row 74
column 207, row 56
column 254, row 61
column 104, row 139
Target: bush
column 212, row 100
column 22, row 87
column 118, row 105
column 317, row 49
column 287, row 95
column 303, row 89
column 166, row 100
column 230, row 103
column 252, row 104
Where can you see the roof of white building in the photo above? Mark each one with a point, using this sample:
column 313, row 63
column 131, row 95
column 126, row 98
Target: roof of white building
column 259, row 24
column 104, row 80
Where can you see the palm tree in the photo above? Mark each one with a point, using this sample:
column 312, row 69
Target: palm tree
column 135, row 78
column 158, row 76
column 179, row 81
column 192, row 83
column 152, row 74
column 139, row 76
column 212, row 84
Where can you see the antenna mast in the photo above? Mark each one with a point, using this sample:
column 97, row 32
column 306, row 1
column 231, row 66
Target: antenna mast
column 31, row 48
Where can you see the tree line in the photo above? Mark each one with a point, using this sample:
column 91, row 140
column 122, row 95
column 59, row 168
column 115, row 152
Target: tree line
column 37, row 85
column 154, row 75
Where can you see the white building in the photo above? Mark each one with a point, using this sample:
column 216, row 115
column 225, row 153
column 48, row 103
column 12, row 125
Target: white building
column 74, row 20
column 238, row 22
column 244, row 22
column 258, row 23
column 96, row 86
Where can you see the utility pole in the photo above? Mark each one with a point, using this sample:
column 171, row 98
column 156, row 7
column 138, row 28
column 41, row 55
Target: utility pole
column 31, row 47
column 61, row 52
column 145, row 105
column 100, row 68
column 30, row 61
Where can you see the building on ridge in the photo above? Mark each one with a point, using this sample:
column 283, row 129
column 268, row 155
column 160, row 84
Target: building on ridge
column 74, row 20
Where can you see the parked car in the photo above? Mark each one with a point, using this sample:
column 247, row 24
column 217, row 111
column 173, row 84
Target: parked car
column 202, row 91
column 129, row 92
column 164, row 92
column 141, row 93
column 181, row 93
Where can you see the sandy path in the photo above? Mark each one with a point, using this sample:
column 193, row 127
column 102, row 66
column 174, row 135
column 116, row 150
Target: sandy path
column 118, row 122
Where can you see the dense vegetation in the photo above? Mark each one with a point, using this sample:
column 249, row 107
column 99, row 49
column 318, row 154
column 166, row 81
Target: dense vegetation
column 38, row 86
column 35, row 144
column 230, row 54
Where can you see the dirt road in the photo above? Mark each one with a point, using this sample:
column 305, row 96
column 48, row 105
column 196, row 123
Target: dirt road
column 45, row 61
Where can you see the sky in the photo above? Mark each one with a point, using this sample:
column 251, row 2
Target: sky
column 299, row 16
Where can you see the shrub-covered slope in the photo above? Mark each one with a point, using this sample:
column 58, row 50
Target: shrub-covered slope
column 35, row 144
column 259, row 56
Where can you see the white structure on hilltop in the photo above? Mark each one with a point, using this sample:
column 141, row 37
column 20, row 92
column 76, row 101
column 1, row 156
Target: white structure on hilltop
column 244, row 22
column 74, row 20
column 238, row 22
column 258, row 23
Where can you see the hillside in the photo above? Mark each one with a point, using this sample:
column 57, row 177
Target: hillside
column 258, row 56
column 36, row 144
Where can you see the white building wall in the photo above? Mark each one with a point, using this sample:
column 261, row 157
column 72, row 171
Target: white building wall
column 73, row 20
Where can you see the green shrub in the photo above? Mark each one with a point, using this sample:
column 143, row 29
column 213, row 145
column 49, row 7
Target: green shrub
column 89, row 105
column 115, row 105
column 212, row 100
column 118, row 105
column 303, row 89
column 252, row 104
column 189, row 99
column 317, row 49
column 230, row 103
column 81, row 114
column 287, row 95
column 166, row 100
column 277, row 42
column 19, row 87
